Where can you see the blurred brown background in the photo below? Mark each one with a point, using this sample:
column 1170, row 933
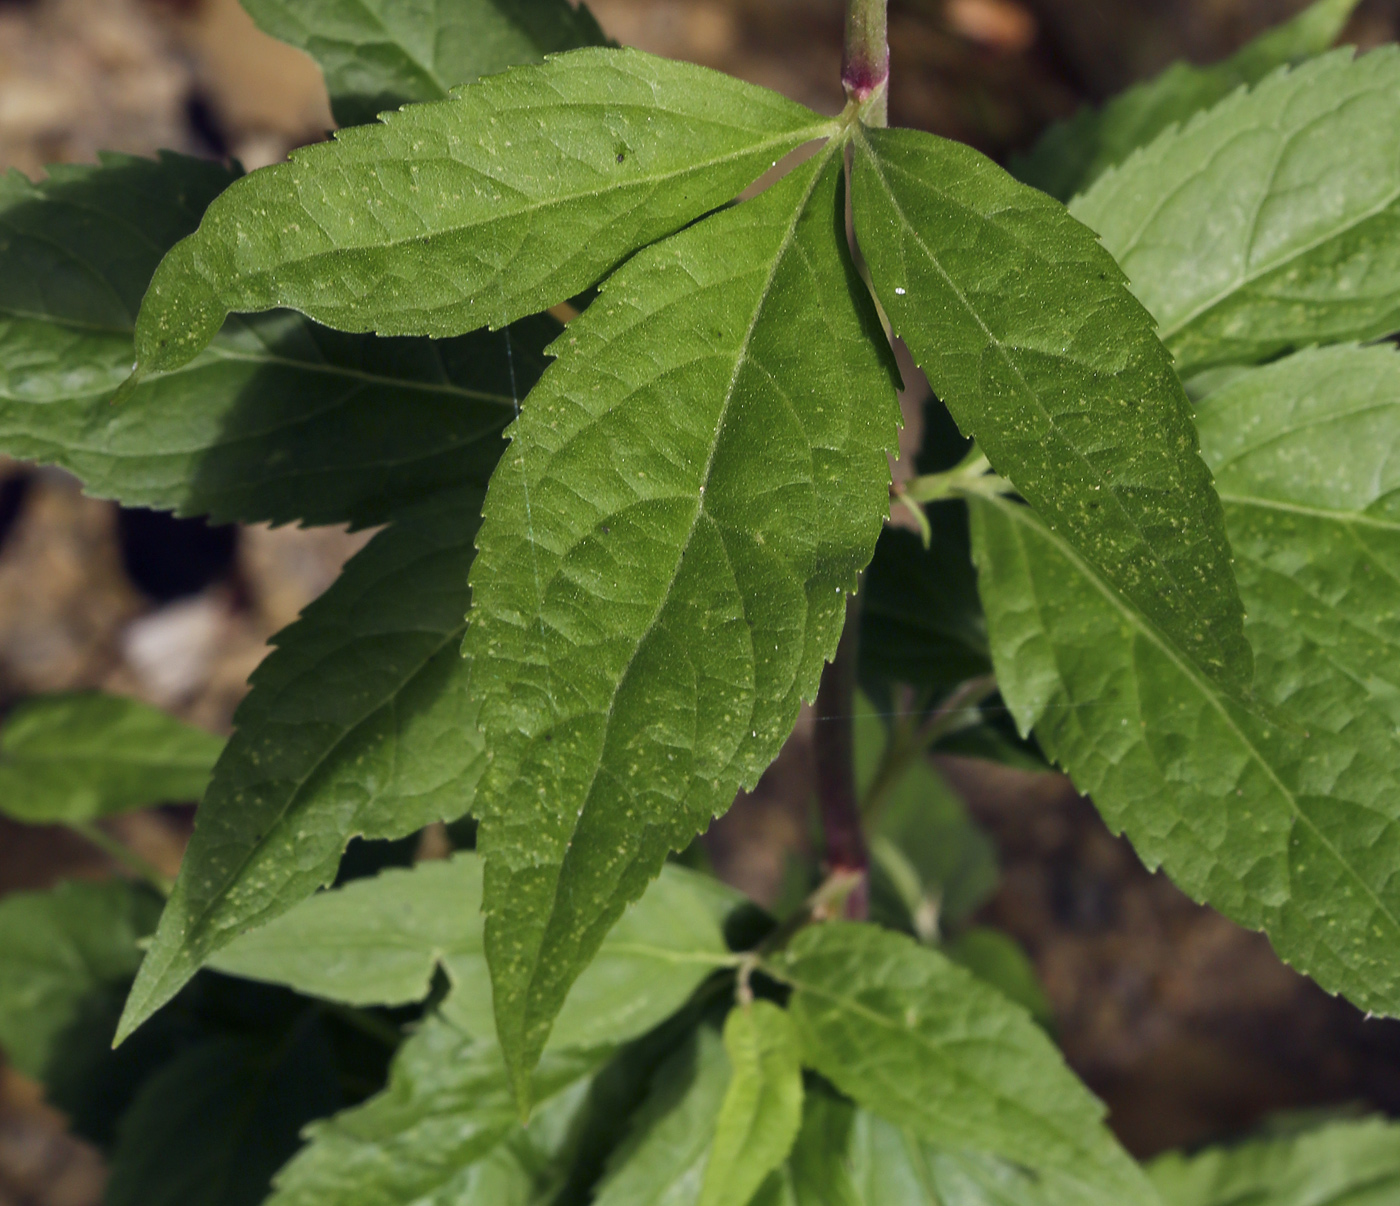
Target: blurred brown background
column 1189, row 1027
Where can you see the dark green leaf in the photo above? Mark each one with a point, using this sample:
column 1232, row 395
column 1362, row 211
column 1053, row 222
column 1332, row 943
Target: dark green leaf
column 516, row 194
column 1029, row 336
column 916, row 1039
column 665, row 556
column 762, row 1108
column 57, row 949
column 1270, row 222
column 77, row 757
column 1072, row 154
column 379, row 54
column 359, row 723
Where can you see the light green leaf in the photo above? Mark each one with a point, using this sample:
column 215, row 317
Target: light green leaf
column 76, row 757
column 663, row 1160
column 915, row 1038
column 213, row 1125
column 277, row 420
column 846, row 1156
column 377, row 942
column 1341, row 1164
column 1290, row 827
column 998, row 960
column 1030, row 338
column 444, row 1131
column 1272, row 221
column 358, row 723
column 1072, row 154
column 379, row 54
column 517, row 193
column 663, row 568
column 56, row 949
column 762, row 1108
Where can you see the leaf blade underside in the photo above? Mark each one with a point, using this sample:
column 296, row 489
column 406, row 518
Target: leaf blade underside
column 664, row 560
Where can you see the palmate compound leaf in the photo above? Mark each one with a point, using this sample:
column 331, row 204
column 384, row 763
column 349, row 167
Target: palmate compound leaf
column 444, row 1130
column 377, row 942
column 1352, row 1163
column 1072, row 154
column 278, row 419
column 81, row 756
column 664, row 560
column 359, row 722
column 516, row 194
column 380, row 54
column 1271, row 221
column 916, row 1039
column 1288, row 823
column 1028, row 334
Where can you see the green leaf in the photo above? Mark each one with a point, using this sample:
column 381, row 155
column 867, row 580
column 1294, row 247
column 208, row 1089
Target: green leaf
column 444, row 1130
column 1027, row 333
column 76, row 757
column 762, row 1108
column 213, row 1125
column 1270, row 222
column 278, row 420
column 915, row 1038
column 663, row 1160
column 516, row 194
column 1341, row 1164
column 998, row 960
column 666, row 550
column 377, row 942
column 57, row 948
column 359, row 723
column 1072, row 154
column 378, row 54
column 1286, row 824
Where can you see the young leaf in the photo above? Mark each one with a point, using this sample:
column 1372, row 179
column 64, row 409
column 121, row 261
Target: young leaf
column 213, row 1125
column 358, row 723
column 278, row 420
column 378, row 54
column 762, row 1108
column 1029, row 336
column 1269, row 222
column 1340, row 1164
column 1072, row 154
column 916, row 1039
column 377, row 942
column 664, row 1158
column 445, row 1130
column 81, row 756
column 56, row 949
column 516, row 194
column 691, row 490
column 1287, row 823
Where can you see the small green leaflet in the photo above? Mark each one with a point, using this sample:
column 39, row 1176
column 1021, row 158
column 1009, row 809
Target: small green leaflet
column 1028, row 334
column 663, row 1160
column 519, row 192
column 377, row 941
column 1270, row 222
column 1071, row 155
column 277, row 420
column 1339, row 1164
column 380, row 54
column 445, row 1130
column 66, row 758
column 762, row 1108
column 915, row 1038
column 358, row 723
column 56, row 948
column 213, row 1125
column 664, row 560
column 1288, row 829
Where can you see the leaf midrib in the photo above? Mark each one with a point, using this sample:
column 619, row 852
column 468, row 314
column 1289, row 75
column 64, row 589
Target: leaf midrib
column 1333, row 515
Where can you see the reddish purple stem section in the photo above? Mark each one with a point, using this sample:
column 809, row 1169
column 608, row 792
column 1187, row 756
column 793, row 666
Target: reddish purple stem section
column 836, row 769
